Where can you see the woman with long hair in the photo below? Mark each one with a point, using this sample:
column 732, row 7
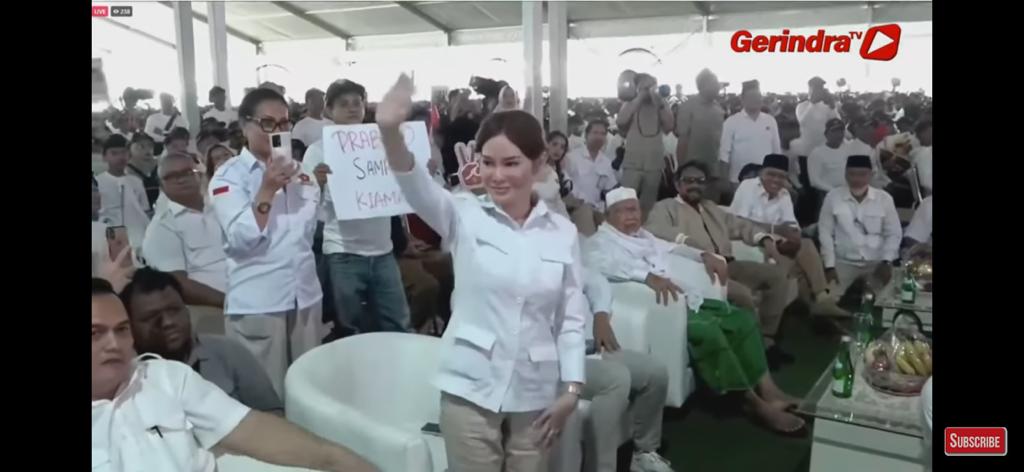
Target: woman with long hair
column 512, row 359
column 215, row 156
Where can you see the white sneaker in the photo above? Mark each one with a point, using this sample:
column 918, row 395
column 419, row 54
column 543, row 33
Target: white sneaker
column 649, row 462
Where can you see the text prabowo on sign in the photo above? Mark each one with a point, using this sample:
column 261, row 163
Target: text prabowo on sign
column 360, row 181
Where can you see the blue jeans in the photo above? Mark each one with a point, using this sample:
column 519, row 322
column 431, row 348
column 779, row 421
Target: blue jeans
column 368, row 293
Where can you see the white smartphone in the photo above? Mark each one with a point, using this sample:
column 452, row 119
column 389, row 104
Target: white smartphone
column 281, row 146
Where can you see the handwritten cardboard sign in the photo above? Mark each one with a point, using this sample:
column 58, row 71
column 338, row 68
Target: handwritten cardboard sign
column 360, row 181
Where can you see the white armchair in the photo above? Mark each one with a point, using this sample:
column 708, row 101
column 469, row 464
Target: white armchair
column 372, row 393
column 233, row 463
column 641, row 324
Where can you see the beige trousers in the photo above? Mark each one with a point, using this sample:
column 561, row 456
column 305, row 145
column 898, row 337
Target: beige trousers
column 480, row 440
column 772, row 280
column 278, row 339
column 847, row 272
column 807, row 263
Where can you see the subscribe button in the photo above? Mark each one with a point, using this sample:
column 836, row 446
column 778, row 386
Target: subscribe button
column 975, row 441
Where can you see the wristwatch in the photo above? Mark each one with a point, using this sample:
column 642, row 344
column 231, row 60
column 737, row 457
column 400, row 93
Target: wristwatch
column 263, row 208
column 575, row 389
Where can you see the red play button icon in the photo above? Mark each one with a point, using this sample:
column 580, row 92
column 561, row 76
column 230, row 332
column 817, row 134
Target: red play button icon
column 881, row 43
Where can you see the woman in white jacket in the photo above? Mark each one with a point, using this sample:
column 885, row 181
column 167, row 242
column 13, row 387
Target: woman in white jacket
column 512, row 361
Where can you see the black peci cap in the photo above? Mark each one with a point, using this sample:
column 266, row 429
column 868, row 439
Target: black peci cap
column 776, row 161
column 858, row 162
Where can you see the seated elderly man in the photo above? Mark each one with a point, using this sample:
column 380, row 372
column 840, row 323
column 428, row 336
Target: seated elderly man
column 859, row 228
column 620, row 381
column 185, row 238
column 159, row 415
column 765, row 202
column 691, row 220
column 161, row 325
column 727, row 351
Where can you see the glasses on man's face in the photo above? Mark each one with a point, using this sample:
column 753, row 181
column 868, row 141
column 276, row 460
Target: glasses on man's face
column 270, row 125
column 180, row 176
column 694, row 180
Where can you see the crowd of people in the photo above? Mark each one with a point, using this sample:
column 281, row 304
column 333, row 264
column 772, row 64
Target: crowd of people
column 217, row 265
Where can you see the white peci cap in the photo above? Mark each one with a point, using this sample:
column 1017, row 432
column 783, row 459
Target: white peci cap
column 619, row 194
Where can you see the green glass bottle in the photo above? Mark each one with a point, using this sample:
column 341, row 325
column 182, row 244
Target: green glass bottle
column 908, row 288
column 842, row 371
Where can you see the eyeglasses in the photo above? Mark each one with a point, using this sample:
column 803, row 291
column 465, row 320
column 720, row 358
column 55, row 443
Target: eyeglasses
column 694, row 180
column 180, row 176
column 270, row 125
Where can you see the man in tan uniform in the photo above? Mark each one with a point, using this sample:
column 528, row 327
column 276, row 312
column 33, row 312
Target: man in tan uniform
column 644, row 119
column 692, row 220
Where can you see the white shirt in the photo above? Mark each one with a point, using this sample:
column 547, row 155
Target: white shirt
column 518, row 308
column 826, row 167
column 100, row 250
column 598, row 293
column 621, row 257
column 858, row 232
column 123, row 202
column 813, row 117
column 590, row 176
column 920, row 227
column 746, row 140
column 857, row 147
column 922, row 158
column 164, row 420
column 183, row 239
column 366, row 237
column 309, row 130
column 270, row 270
column 753, row 203
column 226, row 116
column 156, row 123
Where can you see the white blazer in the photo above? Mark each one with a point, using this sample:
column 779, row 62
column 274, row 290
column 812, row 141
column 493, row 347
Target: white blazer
column 517, row 310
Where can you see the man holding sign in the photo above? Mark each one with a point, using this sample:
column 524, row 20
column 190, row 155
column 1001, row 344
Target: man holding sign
column 361, row 269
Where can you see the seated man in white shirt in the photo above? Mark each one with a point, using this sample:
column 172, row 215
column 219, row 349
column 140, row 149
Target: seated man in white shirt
column 158, row 415
column 859, row 229
column 766, row 202
column 589, row 168
column 826, row 165
column 185, row 238
column 620, row 381
column 161, row 325
column 725, row 341
column 310, row 129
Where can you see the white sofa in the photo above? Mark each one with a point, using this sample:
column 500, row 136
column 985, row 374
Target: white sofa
column 372, row 393
column 641, row 324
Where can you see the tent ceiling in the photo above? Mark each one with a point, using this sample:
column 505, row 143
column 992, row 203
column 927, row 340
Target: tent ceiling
column 263, row 21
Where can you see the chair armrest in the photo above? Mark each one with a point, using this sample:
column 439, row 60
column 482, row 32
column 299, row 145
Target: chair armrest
column 389, row 447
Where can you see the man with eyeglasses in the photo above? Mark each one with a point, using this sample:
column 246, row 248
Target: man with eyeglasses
column 267, row 209
column 695, row 221
column 766, row 202
column 185, row 238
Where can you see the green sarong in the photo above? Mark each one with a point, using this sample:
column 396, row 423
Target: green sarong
column 725, row 343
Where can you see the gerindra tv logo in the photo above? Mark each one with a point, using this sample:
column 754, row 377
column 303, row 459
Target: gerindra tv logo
column 878, row 43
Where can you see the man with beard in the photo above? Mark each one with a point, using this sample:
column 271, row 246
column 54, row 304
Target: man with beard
column 692, row 220
column 161, row 325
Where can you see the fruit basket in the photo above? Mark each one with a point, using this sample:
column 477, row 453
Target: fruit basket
column 900, row 361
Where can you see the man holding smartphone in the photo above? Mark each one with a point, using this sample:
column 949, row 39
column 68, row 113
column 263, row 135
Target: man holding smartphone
column 267, row 209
